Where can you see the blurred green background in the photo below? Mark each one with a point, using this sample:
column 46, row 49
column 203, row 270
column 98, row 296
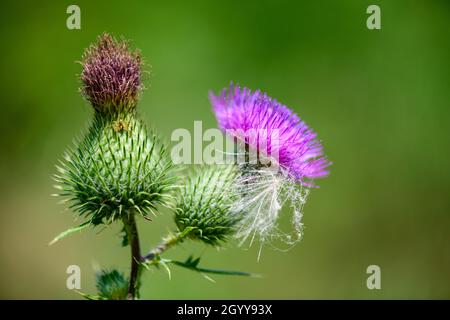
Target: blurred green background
column 378, row 99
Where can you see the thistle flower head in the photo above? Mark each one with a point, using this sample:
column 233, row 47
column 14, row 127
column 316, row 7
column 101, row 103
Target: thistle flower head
column 257, row 119
column 274, row 132
column 111, row 75
column 206, row 209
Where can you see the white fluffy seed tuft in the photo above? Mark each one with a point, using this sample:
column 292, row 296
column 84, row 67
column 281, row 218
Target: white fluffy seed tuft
column 265, row 192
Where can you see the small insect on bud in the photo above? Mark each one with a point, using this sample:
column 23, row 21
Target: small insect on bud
column 206, row 205
column 111, row 75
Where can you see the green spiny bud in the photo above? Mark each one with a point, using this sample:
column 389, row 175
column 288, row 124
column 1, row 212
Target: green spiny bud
column 117, row 168
column 112, row 285
column 206, row 207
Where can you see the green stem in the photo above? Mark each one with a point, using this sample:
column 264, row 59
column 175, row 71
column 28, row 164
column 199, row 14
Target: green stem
column 167, row 243
column 133, row 239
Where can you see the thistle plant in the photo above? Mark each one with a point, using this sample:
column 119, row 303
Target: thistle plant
column 120, row 171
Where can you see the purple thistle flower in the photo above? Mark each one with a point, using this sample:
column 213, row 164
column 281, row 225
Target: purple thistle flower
column 111, row 75
column 288, row 140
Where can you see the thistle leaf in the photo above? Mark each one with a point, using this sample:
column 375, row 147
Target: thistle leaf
column 125, row 240
column 70, row 231
column 89, row 296
column 192, row 264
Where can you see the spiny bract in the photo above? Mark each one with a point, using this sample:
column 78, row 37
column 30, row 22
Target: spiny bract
column 206, row 206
